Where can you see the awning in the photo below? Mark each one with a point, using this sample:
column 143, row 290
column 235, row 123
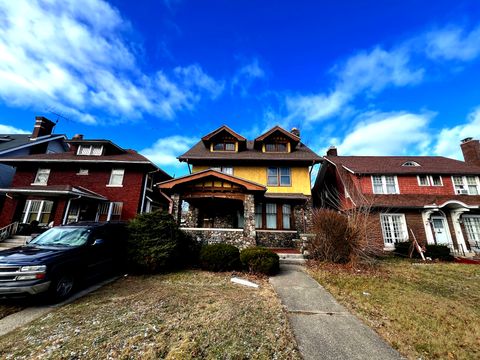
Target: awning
column 54, row 191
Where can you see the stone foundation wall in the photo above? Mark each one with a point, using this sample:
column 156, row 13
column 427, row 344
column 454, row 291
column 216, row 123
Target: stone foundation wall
column 277, row 239
column 217, row 236
column 304, row 216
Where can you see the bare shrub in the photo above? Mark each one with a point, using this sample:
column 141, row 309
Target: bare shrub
column 342, row 238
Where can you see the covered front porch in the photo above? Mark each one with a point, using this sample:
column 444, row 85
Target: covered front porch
column 215, row 207
column 49, row 206
column 455, row 224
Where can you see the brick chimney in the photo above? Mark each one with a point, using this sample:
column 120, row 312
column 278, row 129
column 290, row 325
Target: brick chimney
column 295, row 132
column 471, row 151
column 74, row 147
column 332, row 151
column 43, row 127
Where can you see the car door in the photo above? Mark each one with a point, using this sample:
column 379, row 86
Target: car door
column 100, row 256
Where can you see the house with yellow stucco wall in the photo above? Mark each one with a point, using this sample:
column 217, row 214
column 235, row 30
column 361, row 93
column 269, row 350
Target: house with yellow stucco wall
column 245, row 192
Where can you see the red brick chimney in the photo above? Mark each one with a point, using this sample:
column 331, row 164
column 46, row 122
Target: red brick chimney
column 43, row 127
column 332, row 151
column 471, row 151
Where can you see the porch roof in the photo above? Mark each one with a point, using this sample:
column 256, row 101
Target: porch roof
column 247, row 184
column 54, row 190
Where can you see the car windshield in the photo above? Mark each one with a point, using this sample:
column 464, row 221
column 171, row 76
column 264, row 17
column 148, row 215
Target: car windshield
column 62, row 236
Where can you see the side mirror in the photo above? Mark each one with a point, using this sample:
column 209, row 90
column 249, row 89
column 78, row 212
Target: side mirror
column 98, row 242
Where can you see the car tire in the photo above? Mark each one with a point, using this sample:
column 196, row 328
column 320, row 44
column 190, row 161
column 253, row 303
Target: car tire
column 62, row 287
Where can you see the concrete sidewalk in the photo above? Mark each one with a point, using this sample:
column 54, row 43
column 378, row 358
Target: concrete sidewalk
column 324, row 329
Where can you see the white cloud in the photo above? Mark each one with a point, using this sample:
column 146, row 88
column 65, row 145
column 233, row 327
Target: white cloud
column 75, row 56
column 246, row 75
column 364, row 72
column 164, row 151
column 453, row 43
column 369, row 72
column 388, row 134
column 448, row 140
column 7, row 129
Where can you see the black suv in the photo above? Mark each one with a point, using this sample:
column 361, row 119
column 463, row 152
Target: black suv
column 59, row 259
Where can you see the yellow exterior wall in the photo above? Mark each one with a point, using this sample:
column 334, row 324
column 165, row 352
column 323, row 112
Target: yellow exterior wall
column 299, row 175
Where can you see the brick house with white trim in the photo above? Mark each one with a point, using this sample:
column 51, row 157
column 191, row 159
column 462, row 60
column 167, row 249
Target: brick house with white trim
column 434, row 198
column 95, row 180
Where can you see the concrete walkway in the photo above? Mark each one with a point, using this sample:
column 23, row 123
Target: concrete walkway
column 324, row 329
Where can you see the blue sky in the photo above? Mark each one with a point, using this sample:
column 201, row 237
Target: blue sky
column 371, row 77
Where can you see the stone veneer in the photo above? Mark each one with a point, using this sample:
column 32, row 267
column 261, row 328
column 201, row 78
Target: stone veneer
column 225, row 236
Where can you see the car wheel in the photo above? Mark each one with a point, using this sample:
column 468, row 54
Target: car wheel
column 62, row 287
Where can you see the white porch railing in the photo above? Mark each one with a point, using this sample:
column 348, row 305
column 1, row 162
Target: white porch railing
column 8, row 231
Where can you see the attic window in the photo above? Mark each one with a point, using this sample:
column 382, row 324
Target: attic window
column 5, row 138
column 276, row 147
column 411, row 163
column 93, row 150
column 224, row 146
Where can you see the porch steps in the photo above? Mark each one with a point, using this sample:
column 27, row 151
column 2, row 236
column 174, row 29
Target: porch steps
column 12, row 242
column 290, row 256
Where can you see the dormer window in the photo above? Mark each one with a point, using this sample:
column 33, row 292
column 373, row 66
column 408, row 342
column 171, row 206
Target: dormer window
column 90, row 150
column 224, row 146
column 410, row 163
column 42, row 177
column 276, row 147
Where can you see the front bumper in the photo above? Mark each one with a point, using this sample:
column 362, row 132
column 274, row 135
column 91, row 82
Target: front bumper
column 19, row 288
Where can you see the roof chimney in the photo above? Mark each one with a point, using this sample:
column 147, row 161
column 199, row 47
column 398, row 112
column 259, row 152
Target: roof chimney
column 43, row 126
column 295, row 132
column 471, row 151
column 77, row 137
column 332, row 151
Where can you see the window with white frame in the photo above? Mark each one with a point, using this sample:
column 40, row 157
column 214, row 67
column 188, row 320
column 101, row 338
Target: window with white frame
column 224, row 169
column 430, row 180
column 37, row 210
column 90, row 150
column 42, row 177
column 116, row 177
column 472, row 227
column 410, row 163
column 109, row 211
column 384, row 184
column 394, row 228
column 466, row 185
column 279, row 176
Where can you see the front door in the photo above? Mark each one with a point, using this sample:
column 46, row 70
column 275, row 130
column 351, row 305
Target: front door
column 440, row 231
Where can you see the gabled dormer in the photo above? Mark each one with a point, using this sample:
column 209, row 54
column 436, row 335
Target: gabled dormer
column 83, row 147
column 224, row 139
column 278, row 140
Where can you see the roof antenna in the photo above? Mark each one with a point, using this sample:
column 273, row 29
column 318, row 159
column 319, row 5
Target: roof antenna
column 58, row 114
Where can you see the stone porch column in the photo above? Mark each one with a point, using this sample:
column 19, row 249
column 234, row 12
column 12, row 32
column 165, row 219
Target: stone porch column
column 249, row 233
column 177, row 207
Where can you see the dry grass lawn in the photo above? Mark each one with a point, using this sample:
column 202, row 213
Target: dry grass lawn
column 426, row 311
column 185, row 315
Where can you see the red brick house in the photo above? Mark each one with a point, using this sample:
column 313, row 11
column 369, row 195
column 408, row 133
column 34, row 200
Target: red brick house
column 435, row 198
column 96, row 180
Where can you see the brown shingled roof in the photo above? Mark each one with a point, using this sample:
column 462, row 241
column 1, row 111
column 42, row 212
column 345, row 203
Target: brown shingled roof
column 128, row 156
column 393, row 165
column 301, row 154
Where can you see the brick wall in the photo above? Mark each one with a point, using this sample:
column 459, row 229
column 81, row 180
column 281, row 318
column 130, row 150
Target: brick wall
column 97, row 179
column 409, row 185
